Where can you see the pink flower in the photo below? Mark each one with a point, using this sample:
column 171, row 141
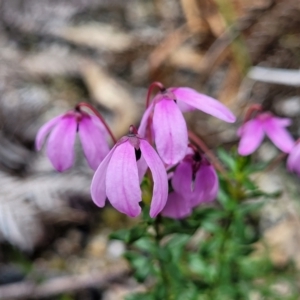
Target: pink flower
column 195, row 181
column 293, row 161
column 177, row 207
column 119, row 175
column 60, row 145
column 168, row 124
column 252, row 133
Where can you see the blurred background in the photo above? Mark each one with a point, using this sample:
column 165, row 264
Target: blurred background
column 56, row 53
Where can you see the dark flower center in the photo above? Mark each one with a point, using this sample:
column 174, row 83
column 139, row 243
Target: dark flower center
column 138, row 154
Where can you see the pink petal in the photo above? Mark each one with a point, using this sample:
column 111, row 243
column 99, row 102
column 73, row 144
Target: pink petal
column 177, row 207
column 44, row 130
column 100, row 126
column 98, row 187
column 144, row 121
column 293, row 161
column 184, row 107
column 60, row 146
column 278, row 134
column 122, row 181
column 204, row 103
column 206, row 185
column 252, row 135
column 142, row 168
column 170, row 131
column 159, row 175
column 182, row 179
column 93, row 142
column 283, row 122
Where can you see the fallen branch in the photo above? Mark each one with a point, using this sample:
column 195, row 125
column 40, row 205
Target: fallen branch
column 277, row 76
column 61, row 285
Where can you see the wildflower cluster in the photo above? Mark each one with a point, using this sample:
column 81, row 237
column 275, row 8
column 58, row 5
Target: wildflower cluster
column 182, row 176
column 120, row 171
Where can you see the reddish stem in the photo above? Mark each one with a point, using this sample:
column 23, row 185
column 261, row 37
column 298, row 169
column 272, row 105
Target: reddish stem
column 206, row 150
column 193, row 147
column 150, row 89
column 251, row 109
column 94, row 110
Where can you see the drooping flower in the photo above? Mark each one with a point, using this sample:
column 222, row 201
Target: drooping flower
column 168, row 124
column 293, row 161
column 119, row 175
column 195, row 181
column 177, row 207
column 60, row 144
column 252, row 133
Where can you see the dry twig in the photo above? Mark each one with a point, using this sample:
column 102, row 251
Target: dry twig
column 60, row 285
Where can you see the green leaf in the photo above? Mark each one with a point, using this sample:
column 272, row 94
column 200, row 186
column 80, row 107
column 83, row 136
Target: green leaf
column 229, row 161
column 140, row 296
column 145, row 244
column 176, row 245
column 142, row 265
column 129, row 235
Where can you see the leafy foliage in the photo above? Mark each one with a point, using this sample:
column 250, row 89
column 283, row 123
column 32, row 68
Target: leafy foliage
column 208, row 255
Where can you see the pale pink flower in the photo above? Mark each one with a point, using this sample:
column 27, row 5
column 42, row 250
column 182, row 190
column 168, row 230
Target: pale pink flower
column 177, row 207
column 119, row 175
column 195, row 181
column 168, row 124
column 293, row 161
column 252, row 133
column 62, row 134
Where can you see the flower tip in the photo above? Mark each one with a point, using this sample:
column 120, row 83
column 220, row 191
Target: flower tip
column 153, row 214
column 60, row 167
column 133, row 214
column 231, row 118
column 244, row 152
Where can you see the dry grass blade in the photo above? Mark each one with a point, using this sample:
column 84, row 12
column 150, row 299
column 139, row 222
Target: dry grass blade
column 60, row 285
column 194, row 17
column 166, row 47
column 25, row 200
column 108, row 92
column 97, row 36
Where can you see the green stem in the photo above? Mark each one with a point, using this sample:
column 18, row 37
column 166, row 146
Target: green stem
column 222, row 252
column 163, row 273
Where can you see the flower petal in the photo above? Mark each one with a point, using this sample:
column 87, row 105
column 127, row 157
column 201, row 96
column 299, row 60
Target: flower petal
column 94, row 143
column 142, row 167
column 184, row 107
column 170, row 131
column 98, row 186
column 278, row 134
column 177, row 207
column 44, row 130
column 293, row 161
column 204, row 103
column 60, row 146
column 252, row 135
column 284, row 122
column 100, row 126
column 159, row 175
column 206, row 185
column 122, row 181
column 144, row 121
column 182, row 179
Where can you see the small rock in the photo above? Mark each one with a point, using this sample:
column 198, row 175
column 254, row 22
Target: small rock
column 289, row 107
column 115, row 249
column 267, row 152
